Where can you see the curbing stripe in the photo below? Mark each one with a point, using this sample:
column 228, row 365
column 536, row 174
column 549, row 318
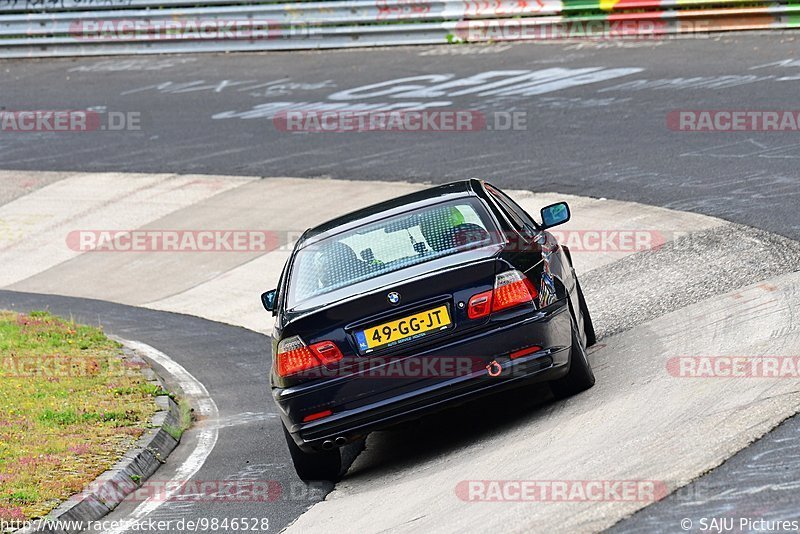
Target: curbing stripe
column 206, row 438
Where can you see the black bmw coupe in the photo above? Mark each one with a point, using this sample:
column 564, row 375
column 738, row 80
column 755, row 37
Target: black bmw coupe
column 418, row 304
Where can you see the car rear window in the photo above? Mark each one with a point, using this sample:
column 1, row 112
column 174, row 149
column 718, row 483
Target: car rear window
column 389, row 245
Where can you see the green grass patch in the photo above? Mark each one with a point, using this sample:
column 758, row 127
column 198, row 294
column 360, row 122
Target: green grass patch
column 185, row 421
column 69, row 409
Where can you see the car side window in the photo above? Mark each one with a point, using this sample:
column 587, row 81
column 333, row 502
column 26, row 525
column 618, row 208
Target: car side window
column 521, row 220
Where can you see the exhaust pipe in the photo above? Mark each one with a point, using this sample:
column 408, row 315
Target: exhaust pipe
column 327, row 444
column 340, row 441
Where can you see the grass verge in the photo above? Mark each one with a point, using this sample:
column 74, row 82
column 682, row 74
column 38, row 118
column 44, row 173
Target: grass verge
column 70, row 407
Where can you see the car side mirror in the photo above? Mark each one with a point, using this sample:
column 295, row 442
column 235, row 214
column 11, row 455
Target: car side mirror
column 268, row 300
column 555, row 214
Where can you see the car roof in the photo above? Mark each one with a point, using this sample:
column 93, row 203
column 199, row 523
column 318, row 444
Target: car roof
column 388, row 208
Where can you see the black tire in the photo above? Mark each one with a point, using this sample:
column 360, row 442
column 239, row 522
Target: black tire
column 588, row 326
column 325, row 465
column 580, row 376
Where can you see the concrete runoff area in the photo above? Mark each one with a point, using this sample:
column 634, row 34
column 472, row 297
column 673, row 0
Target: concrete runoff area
column 38, row 224
column 638, row 423
column 665, row 283
column 223, row 285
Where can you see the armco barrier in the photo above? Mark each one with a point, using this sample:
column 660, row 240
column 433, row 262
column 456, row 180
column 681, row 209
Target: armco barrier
column 40, row 28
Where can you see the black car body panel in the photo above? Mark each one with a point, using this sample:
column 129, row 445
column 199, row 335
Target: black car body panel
column 359, row 391
column 371, row 399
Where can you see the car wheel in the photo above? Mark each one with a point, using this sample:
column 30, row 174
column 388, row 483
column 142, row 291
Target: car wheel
column 580, row 376
column 588, row 326
column 325, row 465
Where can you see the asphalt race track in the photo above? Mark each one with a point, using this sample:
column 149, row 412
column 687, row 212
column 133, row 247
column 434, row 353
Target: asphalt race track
column 606, row 138
column 598, row 129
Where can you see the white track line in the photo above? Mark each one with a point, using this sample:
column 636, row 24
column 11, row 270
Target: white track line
column 194, row 390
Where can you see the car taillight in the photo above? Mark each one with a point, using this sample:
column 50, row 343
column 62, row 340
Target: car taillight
column 524, row 352
column 317, row 415
column 327, row 352
column 512, row 288
column 294, row 356
column 480, row 305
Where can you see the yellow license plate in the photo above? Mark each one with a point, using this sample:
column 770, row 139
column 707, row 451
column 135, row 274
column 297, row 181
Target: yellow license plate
column 405, row 329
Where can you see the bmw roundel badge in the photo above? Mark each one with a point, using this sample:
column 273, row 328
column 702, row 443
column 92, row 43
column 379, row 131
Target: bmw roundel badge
column 393, row 297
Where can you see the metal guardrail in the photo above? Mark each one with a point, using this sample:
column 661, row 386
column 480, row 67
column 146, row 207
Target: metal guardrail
column 40, row 28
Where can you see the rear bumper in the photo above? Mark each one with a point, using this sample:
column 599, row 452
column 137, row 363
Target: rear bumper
column 363, row 403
